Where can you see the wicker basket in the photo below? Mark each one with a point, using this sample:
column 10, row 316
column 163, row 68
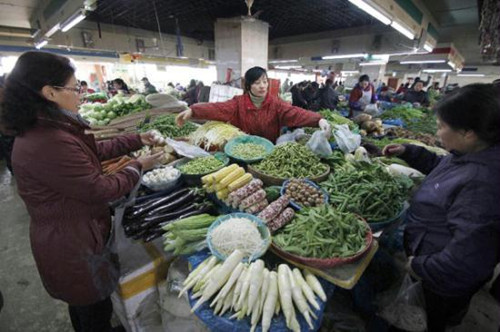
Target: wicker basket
column 324, row 263
column 274, row 181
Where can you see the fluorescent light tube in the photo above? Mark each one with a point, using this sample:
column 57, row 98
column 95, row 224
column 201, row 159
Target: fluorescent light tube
column 282, row 61
column 72, row 22
column 287, row 67
column 53, row 30
column 422, row 61
column 437, row 70
column 471, row 75
column 41, row 44
column 349, row 72
column 345, row 56
column 428, row 47
column 403, row 30
column 374, row 63
column 371, row 11
column 451, row 64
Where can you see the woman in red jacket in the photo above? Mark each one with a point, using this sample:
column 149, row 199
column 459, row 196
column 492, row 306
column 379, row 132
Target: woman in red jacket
column 256, row 112
column 59, row 177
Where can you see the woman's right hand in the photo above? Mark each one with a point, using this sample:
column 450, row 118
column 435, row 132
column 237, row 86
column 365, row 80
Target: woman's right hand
column 183, row 117
column 393, row 150
column 149, row 162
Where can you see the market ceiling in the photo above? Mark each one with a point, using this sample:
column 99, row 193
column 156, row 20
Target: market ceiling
column 196, row 18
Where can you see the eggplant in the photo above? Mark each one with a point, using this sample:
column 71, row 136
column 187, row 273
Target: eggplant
column 172, row 205
column 153, row 235
column 160, row 202
column 153, row 220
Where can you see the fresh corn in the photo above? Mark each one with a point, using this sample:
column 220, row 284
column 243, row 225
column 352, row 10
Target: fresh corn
column 220, row 174
column 240, row 182
column 219, row 186
column 222, row 194
column 234, row 175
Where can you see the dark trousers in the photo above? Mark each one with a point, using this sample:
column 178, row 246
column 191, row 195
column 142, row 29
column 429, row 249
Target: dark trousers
column 92, row 318
column 444, row 311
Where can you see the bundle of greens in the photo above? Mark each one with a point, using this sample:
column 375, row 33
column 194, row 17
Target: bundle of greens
column 166, row 125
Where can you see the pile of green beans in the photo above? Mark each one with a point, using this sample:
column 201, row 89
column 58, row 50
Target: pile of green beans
column 323, row 232
column 201, row 165
column 291, row 160
column 370, row 192
column 247, row 151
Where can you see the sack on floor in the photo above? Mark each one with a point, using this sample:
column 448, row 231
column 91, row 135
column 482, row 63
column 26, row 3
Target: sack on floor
column 407, row 312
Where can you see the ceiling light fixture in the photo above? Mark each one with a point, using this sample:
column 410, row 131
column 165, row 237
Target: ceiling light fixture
column 471, row 75
column 73, row 20
column 287, row 67
column 41, row 44
column 282, row 61
column 53, row 30
column 347, row 72
column 421, row 61
column 428, row 47
column 406, row 32
column 437, row 70
column 374, row 63
column 345, row 56
column 371, row 11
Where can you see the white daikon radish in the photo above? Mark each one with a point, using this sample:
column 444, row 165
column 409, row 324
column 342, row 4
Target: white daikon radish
column 211, row 263
column 308, row 292
column 239, row 284
column 270, row 302
column 256, row 281
column 299, row 299
column 229, row 284
column 285, row 293
column 315, row 285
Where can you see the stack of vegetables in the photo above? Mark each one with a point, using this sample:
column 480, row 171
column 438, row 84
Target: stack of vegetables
column 323, row 232
column 113, row 166
column 187, row 235
column 291, row 160
column 406, row 114
column 427, row 139
column 166, row 125
column 336, row 119
column 367, row 190
column 214, row 135
column 147, row 219
column 201, row 165
column 368, row 125
column 97, row 97
column 252, row 290
column 247, row 151
column 304, row 193
column 101, row 114
column 226, row 180
column 251, row 198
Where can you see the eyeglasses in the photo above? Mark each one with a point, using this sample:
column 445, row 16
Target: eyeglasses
column 76, row 89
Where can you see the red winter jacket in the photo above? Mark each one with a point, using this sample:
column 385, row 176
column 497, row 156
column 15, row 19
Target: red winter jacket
column 59, row 177
column 265, row 121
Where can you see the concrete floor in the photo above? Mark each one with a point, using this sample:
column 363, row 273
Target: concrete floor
column 28, row 307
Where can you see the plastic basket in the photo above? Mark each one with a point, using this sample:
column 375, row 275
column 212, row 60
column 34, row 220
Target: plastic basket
column 268, row 145
column 381, row 225
column 162, row 186
column 297, row 206
column 263, row 230
column 325, row 263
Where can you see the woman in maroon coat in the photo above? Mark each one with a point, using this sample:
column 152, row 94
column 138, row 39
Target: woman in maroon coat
column 59, row 177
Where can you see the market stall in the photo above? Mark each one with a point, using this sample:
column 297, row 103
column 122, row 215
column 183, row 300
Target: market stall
column 244, row 213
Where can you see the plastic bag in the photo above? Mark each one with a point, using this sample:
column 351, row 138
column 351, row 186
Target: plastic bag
column 346, row 140
column 407, row 312
column 319, row 144
column 187, row 150
column 371, row 109
column 291, row 136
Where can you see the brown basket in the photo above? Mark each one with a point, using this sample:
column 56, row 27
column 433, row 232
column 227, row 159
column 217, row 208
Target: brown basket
column 274, row 181
column 325, row 263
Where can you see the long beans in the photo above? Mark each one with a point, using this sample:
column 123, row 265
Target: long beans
column 322, row 232
column 370, row 192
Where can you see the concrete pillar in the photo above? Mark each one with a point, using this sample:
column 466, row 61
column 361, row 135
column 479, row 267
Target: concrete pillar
column 240, row 43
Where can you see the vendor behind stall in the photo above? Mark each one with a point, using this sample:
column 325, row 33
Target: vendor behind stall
column 452, row 226
column 256, row 112
column 417, row 95
column 362, row 95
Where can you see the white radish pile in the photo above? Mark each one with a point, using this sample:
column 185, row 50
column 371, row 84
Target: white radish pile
column 252, row 290
column 237, row 234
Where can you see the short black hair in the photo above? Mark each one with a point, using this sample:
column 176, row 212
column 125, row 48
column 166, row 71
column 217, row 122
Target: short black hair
column 22, row 101
column 328, row 81
column 364, row 78
column 473, row 107
column 82, row 83
column 252, row 75
column 121, row 83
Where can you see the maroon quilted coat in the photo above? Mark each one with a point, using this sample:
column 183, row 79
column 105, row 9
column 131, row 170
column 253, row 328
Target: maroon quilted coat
column 59, row 177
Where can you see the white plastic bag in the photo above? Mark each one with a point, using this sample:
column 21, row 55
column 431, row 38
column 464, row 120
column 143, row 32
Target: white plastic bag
column 371, row 109
column 407, row 312
column 346, row 140
column 319, row 144
column 291, row 136
column 187, row 150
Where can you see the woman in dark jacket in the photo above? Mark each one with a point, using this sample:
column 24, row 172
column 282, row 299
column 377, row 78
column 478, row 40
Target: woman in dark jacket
column 59, row 178
column 453, row 223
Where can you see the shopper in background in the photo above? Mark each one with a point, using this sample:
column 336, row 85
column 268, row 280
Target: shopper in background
column 119, row 86
column 193, row 90
column 329, row 98
column 148, row 87
column 401, row 89
column 298, row 95
column 417, row 96
column 60, row 180
column 453, row 224
column 84, row 88
column 256, row 112
column 362, row 95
